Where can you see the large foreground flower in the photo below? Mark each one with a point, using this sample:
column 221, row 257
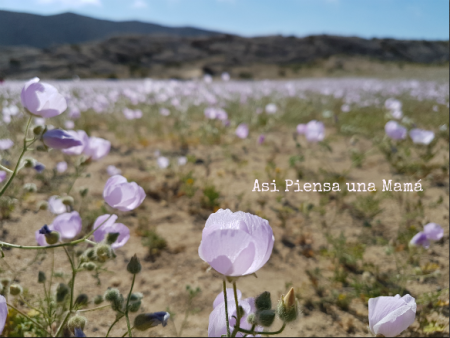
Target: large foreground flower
column 236, row 244
column 3, row 313
column 121, row 195
column 42, row 99
column 217, row 322
column 390, row 316
column 105, row 225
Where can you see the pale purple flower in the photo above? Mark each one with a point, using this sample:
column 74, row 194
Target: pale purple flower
column 69, row 124
column 182, row 160
column 395, row 131
column 261, row 139
column 42, row 99
column 97, row 148
column 6, row 144
column 163, row 162
column 3, row 313
column 315, row 131
column 3, row 175
column 60, row 139
column 271, row 108
column 397, row 114
column 112, row 170
column 68, row 224
column 121, row 195
column 390, row 316
column 61, row 166
column 433, row 231
column 421, row 136
column 82, row 137
column 301, row 129
column 208, row 78
column 217, row 320
column 109, row 226
column 420, row 239
column 242, row 131
column 164, row 112
column 131, row 114
column 225, row 77
column 345, row 108
column 236, row 244
column 56, row 206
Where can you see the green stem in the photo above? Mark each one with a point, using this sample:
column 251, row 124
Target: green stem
column 112, row 325
column 29, row 318
column 238, row 312
column 62, row 325
column 266, row 333
column 126, row 308
column 95, row 308
column 16, row 169
column 77, row 175
column 6, row 169
column 9, row 245
column 72, row 284
column 127, row 332
column 225, row 298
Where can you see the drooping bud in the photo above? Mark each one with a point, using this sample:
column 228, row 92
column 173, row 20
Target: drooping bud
column 148, row 320
column 103, row 252
column 89, row 266
column 98, row 299
column 288, row 307
column 76, row 322
column 112, row 237
column 265, row 318
column 263, row 302
column 15, row 289
column 41, row 277
column 37, row 130
column 67, row 200
column 134, row 306
column 5, row 282
column 83, row 192
column 42, row 205
column 61, row 292
column 115, row 298
column 82, row 300
column 29, row 162
column 30, row 187
column 251, row 319
column 136, row 296
column 134, row 266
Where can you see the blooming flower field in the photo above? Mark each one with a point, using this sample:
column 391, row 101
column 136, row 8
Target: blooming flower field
column 329, row 194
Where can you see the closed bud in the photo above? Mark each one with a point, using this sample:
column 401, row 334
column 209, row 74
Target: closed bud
column 83, row 192
column 30, row 187
column 98, row 299
column 112, row 237
column 136, row 296
column 134, row 306
column 52, row 238
column 82, row 300
column 67, row 200
column 146, row 321
column 288, row 307
column 89, row 266
column 103, row 252
column 15, row 289
column 37, row 130
column 42, row 205
column 251, row 319
column 76, row 322
column 42, row 147
column 41, row 277
column 265, row 318
column 263, row 302
column 115, row 298
column 134, row 266
column 5, row 282
column 61, row 292
column 29, row 162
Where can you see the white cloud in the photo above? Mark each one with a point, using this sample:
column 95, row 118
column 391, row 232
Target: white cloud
column 72, row 3
column 139, row 4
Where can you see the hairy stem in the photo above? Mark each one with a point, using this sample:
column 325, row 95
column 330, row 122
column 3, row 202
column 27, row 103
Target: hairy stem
column 126, row 308
column 112, row 325
column 225, row 298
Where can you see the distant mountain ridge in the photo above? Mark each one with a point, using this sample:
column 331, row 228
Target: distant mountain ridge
column 31, row 30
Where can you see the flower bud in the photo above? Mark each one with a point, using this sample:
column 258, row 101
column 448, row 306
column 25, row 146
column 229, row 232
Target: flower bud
column 112, row 237
column 136, row 296
column 61, row 292
column 76, row 322
column 29, row 162
column 67, row 200
column 42, row 147
column 37, row 130
column 15, row 289
column 90, row 266
column 134, row 306
column 51, row 237
column 41, row 277
column 5, row 282
column 42, row 205
column 103, row 252
column 83, row 192
column 148, row 320
column 134, row 266
column 82, row 300
column 265, row 318
column 263, row 302
column 251, row 319
column 115, row 298
column 288, row 307
column 98, row 299
column 30, row 187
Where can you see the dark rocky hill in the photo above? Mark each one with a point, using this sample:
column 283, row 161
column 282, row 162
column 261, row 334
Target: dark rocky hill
column 22, row 29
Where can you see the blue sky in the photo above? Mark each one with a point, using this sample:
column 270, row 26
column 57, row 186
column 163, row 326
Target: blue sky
column 405, row 19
